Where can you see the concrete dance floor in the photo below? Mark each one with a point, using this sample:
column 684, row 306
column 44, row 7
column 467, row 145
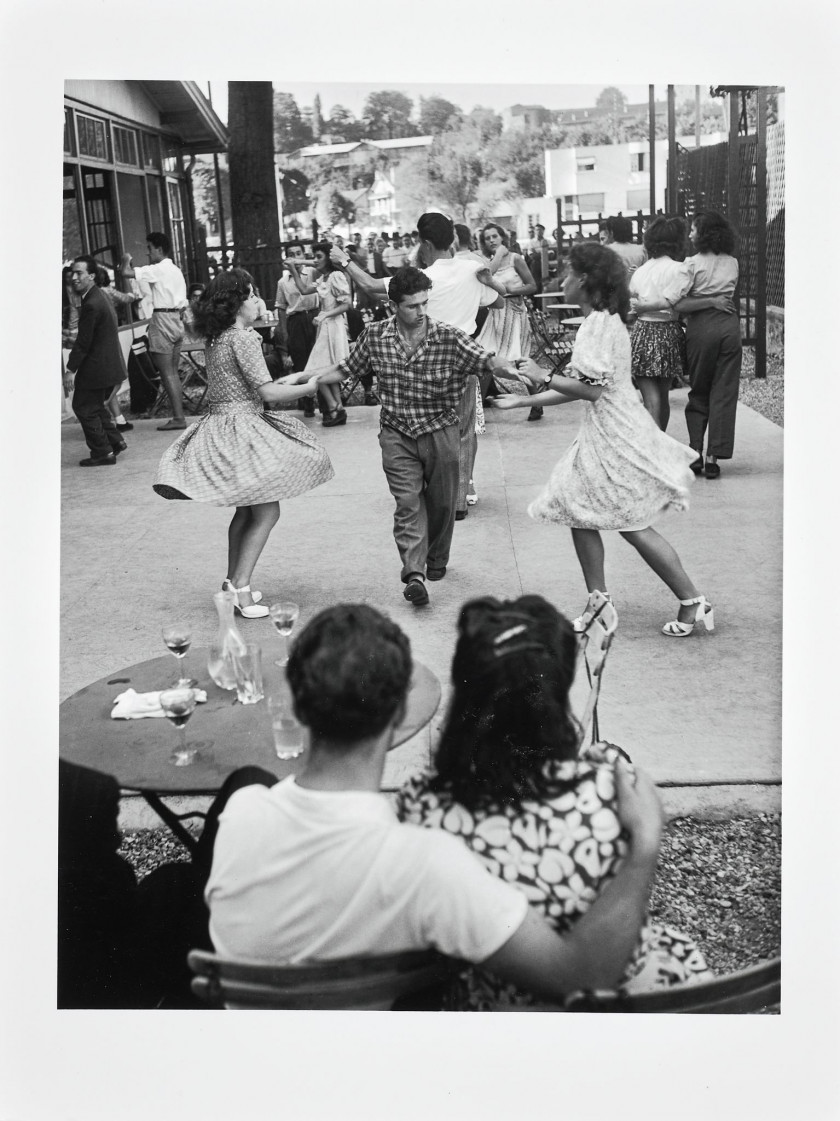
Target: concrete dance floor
column 702, row 714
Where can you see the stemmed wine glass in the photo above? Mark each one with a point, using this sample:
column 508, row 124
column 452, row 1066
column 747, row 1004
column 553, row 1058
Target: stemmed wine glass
column 178, row 637
column 178, row 706
column 284, row 616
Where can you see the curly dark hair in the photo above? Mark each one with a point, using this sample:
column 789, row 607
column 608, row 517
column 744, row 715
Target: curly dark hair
column 621, row 228
column 219, row 305
column 407, row 281
column 349, row 672
column 715, row 234
column 325, row 247
column 509, row 715
column 603, row 276
column 503, row 234
column 665, row 237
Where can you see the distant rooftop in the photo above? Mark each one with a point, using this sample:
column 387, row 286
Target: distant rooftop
column 344, row 149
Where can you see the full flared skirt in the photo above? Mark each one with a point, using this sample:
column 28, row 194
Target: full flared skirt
column 620, row 473
column 241, row 458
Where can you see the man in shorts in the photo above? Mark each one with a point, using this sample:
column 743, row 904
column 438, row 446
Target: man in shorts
column 166, row 330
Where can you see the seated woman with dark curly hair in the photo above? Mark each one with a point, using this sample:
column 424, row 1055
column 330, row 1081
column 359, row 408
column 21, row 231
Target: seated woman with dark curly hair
column 507, row 781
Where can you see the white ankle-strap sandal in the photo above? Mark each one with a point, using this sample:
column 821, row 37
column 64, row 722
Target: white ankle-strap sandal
column 258, row 611
column 705, row 614
column 227, row 586
column 580, row 624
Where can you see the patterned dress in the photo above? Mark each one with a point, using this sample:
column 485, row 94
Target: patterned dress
column 559, row 852
column 332, row 343
column 238, row 455
column 622, row 471
column 507, row 330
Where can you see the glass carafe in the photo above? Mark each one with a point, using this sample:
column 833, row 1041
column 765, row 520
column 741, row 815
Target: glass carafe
column 229, row 644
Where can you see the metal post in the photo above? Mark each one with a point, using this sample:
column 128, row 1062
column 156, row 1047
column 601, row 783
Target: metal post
column 652, row 139
column 671, row 203
column 761, row 236
column 733, row 189
column 696, row 116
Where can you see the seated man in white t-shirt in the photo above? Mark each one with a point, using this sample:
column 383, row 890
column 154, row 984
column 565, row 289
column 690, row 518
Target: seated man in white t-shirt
column 318, row 866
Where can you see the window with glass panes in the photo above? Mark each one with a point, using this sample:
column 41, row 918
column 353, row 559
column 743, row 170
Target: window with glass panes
column 69, row 140
column 176, row 218
column 93, row 137
column 99, row 215
column 125, row 146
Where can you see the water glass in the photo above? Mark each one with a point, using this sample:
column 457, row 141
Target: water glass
column 249, row 681
column 289, row 737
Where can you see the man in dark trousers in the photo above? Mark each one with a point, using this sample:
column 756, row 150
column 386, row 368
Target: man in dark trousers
column 94, row 367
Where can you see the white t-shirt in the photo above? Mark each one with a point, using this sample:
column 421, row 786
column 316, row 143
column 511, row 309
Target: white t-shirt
column 660, row 279
column 301, row 873
column 169, row 289
column 456, row 293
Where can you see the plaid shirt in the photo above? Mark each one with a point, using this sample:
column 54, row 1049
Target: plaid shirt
column 419, row 394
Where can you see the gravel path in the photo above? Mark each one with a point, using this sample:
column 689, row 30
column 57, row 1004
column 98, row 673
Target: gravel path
column 719, row 881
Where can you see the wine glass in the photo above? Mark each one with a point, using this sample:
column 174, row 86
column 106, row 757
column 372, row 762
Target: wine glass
column 178, row 637
column 178, row 706
column 284, row 616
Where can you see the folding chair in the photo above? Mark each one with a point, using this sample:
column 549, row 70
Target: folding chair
column 550, row 340
column 397, row 982
column 600, row 622
column 193, row 378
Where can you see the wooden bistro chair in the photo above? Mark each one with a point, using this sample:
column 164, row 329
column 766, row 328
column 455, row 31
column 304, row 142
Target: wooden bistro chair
column 414, row 980
column 749, row 990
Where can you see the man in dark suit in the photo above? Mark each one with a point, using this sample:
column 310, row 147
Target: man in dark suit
column 95, row 367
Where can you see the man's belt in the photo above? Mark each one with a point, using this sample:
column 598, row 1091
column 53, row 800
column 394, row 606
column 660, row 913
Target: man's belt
column 166, row 309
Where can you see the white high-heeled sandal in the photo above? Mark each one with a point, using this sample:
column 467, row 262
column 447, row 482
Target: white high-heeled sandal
column 705, row 614
column 227, row 586
column 580, row 624
column 257, row 611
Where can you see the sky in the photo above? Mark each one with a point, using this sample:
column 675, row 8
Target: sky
column 498, row 96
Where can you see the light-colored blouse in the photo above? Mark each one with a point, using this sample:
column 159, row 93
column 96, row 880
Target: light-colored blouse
column 660, row 279
column 712, row 274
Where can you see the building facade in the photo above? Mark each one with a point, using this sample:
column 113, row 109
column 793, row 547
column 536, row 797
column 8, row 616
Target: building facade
column 128, row 149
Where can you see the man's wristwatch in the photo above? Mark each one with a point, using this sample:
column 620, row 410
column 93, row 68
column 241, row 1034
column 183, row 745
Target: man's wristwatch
column 547, row 380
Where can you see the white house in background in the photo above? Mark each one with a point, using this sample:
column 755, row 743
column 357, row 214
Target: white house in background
column 610, row 178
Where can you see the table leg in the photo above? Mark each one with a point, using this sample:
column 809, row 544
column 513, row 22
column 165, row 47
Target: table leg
column 173, row 820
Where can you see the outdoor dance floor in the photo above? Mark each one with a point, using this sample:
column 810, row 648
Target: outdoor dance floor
column 700, row 710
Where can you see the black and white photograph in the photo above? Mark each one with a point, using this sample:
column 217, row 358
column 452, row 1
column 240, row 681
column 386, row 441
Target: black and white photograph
column 414, row 550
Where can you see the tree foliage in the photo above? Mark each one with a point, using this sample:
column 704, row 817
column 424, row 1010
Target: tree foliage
column 488, row 122
column 437, row 115
column 387, row 114
column 291, row 131
column 342, row 126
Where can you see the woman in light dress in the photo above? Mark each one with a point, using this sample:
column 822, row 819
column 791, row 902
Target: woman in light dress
column 508, row 782
column 332, row 343
column 621, row 472
column 506, row 331
column 239, row 455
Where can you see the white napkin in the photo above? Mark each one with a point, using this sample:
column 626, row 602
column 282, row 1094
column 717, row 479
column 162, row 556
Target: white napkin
column 131, row 705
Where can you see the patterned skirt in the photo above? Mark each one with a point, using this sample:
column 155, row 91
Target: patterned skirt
column 658, row 350
column 238, row 455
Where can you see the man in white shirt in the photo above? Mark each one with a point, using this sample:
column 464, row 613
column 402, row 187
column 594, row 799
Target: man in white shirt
column 318, row 866
column 294, row 317
column 166, row 331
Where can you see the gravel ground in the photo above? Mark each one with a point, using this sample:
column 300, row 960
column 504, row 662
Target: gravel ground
column 719, row 881
column 766, row 395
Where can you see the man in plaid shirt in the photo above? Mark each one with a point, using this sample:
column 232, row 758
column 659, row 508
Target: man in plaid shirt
column 421, row 367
